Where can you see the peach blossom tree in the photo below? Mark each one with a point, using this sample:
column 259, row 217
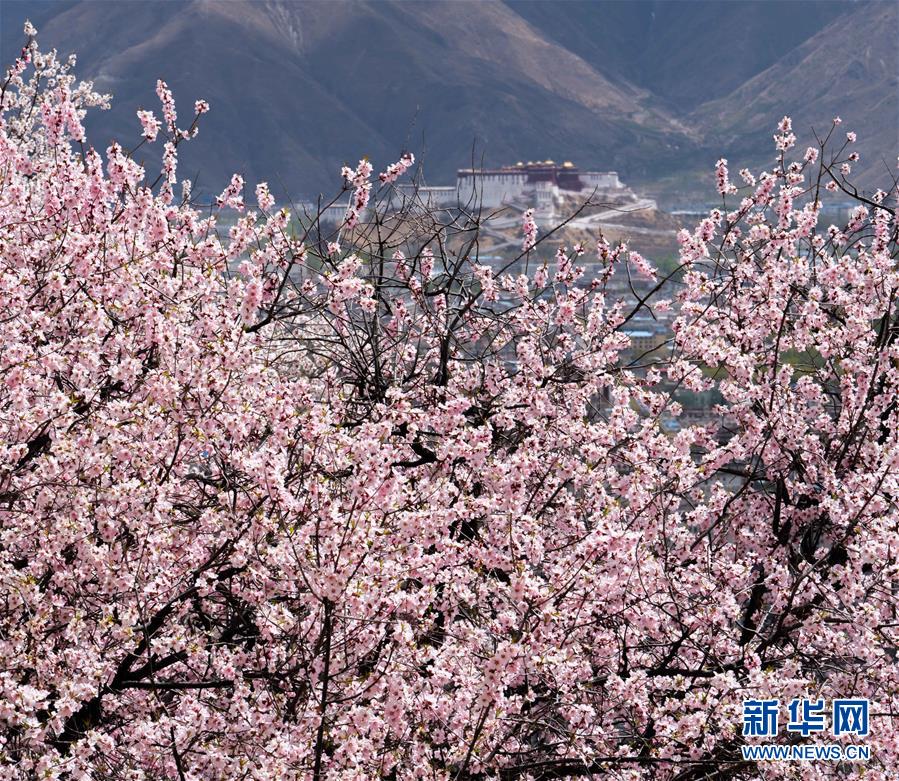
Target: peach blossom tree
column 283, row 502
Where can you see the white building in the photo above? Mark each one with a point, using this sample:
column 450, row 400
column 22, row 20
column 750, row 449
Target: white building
column 541, row 183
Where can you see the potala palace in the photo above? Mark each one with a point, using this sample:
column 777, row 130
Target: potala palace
column 543, row 185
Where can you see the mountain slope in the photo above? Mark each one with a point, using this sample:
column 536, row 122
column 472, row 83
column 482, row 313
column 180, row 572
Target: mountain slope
column 684, row 53
column 652, row 88
column 299, row 88
column 850, row 69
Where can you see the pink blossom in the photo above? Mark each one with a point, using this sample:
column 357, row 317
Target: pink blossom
column 263, row 197
column 232, row 195
column 723, row 182
column 272, row 510
column 150, row 124
column 785, row 139
column 643, row 266
column 529, row 229
column 168, row 105
column 170, row 162
column 484, row 274
column 359, row 180
column 397, row 169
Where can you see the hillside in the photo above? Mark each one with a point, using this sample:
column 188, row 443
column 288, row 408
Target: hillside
column 848, row 69
column 653, row 89
column 683, row 53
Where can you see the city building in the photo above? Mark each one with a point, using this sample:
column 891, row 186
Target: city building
column 541, row 185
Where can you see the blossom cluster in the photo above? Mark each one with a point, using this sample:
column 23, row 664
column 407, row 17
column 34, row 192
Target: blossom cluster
column 274, row 506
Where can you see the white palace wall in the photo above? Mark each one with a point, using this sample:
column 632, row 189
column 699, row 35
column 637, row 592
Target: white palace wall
column 490, row 190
